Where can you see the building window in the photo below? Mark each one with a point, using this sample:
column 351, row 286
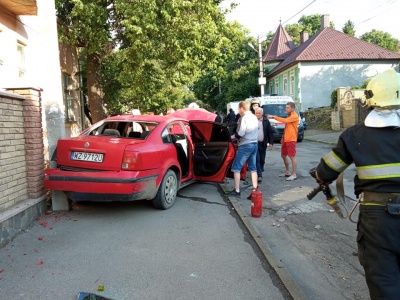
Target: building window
column 285, row 87
column 292, row 84
column 276, row 86
column 21, row 59
column 67, row 82
column 271, row 91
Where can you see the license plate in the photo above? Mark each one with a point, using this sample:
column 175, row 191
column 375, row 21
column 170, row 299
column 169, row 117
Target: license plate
column 87, row 156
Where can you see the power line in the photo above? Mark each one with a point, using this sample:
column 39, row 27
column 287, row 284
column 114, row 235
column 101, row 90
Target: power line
column 294, row 16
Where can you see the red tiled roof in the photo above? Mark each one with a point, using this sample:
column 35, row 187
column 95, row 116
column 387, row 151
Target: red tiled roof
column 280, row 46
column 333, row 45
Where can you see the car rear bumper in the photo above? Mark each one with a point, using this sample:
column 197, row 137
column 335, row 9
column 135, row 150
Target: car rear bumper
column 102, row 186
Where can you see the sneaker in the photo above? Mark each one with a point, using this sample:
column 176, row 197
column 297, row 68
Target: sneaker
column 249, row 197
column 234, row 193
column 259, row 179
column 284, row 175
column 291, row 177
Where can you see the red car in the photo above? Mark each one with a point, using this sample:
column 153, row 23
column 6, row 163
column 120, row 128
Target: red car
column 144, row 157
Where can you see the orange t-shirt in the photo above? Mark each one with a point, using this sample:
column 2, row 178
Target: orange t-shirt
column 291, row 127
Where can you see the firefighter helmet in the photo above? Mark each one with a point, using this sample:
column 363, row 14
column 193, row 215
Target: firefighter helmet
column 255, row 101
column 383, row 90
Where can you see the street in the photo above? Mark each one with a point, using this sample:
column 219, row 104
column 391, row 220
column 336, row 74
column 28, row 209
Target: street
column 198, row 249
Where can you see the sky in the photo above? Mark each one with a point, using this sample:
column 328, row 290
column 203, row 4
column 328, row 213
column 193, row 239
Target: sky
column 263, row 16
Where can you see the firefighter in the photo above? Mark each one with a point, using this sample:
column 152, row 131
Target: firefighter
column 254, row 103
column 373, row 146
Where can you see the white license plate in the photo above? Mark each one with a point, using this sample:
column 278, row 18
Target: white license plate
column 86, row 156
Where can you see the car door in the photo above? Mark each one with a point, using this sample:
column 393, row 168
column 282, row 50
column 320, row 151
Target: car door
column 213, row 150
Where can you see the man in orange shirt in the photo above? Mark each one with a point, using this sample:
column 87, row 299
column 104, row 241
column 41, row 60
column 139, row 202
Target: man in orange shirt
column 289, row 140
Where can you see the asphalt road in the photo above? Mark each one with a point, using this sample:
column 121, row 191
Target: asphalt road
column 198, row 249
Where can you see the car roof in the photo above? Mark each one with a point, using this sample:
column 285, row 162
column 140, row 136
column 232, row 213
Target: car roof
column 180, row 115
column 130, row 117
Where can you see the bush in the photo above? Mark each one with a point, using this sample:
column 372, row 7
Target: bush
column 319, row 118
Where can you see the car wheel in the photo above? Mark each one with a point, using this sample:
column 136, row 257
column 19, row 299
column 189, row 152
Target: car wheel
column 300, row 139
column 167, row 191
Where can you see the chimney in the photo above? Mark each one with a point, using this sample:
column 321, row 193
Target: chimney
column 324, row 21
column 303, row 37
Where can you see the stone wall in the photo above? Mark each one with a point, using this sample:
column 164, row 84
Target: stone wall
column 22, row 195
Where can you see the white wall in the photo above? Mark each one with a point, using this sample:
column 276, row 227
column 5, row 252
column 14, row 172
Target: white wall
column 42, row 64
column 318, row 79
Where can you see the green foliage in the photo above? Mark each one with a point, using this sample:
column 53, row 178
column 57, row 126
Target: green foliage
column 382, row 39
column 310, row 24
column 148, row 49
column 294, row 31
column 234, row 77
column 333, row 98
column 349, row 28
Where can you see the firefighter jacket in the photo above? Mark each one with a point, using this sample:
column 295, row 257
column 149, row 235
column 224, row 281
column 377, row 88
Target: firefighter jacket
column 375, row 153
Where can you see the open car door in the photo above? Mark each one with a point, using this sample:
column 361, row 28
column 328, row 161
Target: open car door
column 213, row 150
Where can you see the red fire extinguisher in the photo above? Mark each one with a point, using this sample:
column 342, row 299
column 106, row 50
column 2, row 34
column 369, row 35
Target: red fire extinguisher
column 256, row 203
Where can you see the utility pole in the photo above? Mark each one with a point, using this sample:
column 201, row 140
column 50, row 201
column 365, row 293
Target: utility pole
column 262, row 81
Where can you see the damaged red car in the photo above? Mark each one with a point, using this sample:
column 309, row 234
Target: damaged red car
column 142, row 157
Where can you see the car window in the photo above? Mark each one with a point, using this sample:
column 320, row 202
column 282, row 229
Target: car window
column 124, row 129
column 174, row 129
column 275, row 109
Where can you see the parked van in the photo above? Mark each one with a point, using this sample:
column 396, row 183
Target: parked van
column 276, row 105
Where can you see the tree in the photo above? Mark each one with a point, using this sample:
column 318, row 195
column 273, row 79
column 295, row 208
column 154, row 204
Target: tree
column 89, row 24
column 380, row 38
column 349, row 28
column 234, row 77
column 137, row 50
column 310, row 24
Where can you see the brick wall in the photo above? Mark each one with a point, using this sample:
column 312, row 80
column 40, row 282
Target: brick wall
column 21, row 146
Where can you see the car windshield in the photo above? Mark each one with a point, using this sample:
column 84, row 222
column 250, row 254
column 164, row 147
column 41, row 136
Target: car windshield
column 275, row 110
column 124, row 129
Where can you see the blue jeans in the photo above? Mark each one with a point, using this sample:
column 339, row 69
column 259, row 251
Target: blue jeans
column 378, row 242
column 245, row 153
column 261, row 158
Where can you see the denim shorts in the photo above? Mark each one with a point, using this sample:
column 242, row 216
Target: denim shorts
column 245, row 153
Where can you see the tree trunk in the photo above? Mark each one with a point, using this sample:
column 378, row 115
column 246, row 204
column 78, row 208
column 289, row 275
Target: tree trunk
column 95, row 93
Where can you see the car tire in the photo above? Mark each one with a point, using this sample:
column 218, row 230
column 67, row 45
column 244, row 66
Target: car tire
column 300, row 139
column 167, row 191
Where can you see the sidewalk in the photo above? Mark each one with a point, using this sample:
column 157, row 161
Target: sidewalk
column 322, row 136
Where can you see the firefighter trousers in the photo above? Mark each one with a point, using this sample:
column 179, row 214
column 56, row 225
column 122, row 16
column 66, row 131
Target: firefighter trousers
column 378, row 242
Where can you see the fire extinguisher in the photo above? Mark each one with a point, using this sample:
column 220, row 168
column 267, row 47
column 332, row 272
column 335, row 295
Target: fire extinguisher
column 256, row 203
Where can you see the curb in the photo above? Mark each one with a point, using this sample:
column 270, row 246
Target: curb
column 287, row 280
column 319, row 141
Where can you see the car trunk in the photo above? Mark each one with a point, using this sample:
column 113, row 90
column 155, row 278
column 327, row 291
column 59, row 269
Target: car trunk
column 100, row 153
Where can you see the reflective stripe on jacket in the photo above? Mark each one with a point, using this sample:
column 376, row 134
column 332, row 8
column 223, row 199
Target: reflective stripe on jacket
column 375, row 153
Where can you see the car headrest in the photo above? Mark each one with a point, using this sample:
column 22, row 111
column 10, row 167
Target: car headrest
column 114, row 132
column 134, row 134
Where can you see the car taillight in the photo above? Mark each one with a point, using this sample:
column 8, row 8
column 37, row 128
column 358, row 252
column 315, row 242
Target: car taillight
column 132, row 160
